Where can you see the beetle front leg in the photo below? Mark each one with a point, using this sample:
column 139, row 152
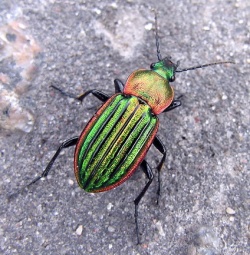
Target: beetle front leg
column 176, row 103
column 149, row 173
column 161, row 147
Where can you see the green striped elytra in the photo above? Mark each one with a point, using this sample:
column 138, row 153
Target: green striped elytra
column 114, row 143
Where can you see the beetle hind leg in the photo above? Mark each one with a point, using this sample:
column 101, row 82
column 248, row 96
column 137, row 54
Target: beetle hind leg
column 149, row 173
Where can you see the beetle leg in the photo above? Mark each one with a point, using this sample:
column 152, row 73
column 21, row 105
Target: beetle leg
column 98, row 94
column 68, row 143
column 161, row 147
column 176, row 103
column 119, row 86
column 149, row 173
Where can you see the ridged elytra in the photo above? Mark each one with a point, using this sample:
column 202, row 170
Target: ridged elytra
column 116, row 139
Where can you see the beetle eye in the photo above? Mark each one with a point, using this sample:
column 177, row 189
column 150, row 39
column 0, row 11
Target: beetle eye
column 172, row 78
column 152, row 66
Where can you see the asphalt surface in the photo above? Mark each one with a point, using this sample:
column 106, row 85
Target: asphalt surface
column 82, row 45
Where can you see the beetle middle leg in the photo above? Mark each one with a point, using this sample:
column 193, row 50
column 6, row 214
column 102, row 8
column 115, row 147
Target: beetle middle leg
column 68, row 143
column 149, row 173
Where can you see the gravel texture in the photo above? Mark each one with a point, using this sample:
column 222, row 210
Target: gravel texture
column 81, row 45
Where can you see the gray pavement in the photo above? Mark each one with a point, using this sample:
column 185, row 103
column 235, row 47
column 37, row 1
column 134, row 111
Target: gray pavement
column 81, row 45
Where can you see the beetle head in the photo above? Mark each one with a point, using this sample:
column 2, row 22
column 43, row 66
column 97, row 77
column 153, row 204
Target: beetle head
column 165, row 68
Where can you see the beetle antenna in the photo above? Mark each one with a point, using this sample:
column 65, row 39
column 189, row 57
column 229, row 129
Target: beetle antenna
column 157, row 38
column 201, row 66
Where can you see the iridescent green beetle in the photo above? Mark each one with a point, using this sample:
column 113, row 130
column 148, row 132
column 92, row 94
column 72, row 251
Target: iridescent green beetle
column 116, row 139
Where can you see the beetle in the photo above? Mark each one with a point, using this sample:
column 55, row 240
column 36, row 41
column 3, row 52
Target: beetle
column 115, row 141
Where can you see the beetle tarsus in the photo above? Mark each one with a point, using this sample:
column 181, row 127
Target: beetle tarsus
column 63, row 92
column 14, row 195
column 136, row 225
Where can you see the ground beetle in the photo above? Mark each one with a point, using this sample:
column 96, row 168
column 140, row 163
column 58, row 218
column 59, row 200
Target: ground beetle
column 116, row 139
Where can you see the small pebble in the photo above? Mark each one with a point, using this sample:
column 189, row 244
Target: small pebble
column 97, row 11
column 231, row 218
column 109, row 206
column 148, row 26
column 206, row 28
column 79, row 230
column 230, row 211
column 114, row 5
column 71, row 182
column 224, row 97
column 111, row 229
column 160, row 228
